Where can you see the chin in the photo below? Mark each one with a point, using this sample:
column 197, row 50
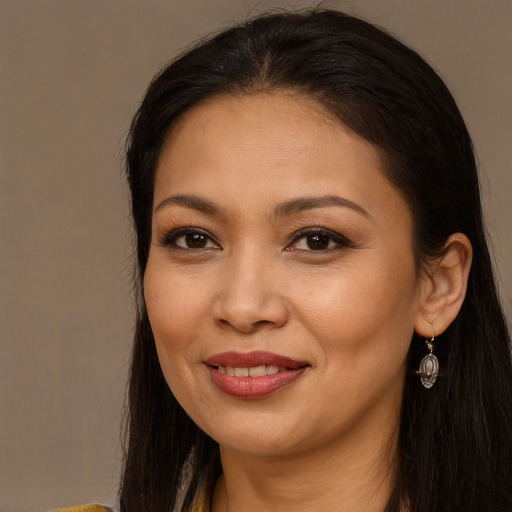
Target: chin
column 257, row 434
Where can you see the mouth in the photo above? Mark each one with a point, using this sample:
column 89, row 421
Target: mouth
column 253, row 375
column 253, row 371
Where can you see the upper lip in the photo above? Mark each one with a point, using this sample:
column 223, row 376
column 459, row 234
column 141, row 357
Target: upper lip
column 254, row 358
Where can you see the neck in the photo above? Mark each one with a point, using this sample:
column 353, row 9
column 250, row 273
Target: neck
column 355, row 472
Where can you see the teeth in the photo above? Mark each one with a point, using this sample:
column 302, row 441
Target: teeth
column 253, row 371
column 258, row 371
column 271, row 369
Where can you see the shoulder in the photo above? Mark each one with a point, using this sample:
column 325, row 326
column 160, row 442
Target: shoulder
column 85, row 508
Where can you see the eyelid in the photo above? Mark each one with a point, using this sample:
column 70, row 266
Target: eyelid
column 339, row 239
column 169, row 237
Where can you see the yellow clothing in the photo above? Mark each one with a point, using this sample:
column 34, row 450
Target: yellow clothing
column 200, row 505
column 85, row 508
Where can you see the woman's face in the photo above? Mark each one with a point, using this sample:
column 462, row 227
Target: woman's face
column 281, row 285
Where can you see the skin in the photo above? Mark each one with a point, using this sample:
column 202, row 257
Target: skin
column 328, row 441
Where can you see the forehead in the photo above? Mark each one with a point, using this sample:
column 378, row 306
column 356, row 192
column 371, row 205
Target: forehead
column 275, row 122
column 268, row 147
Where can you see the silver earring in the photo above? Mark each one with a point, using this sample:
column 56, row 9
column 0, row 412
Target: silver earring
column 429, row 366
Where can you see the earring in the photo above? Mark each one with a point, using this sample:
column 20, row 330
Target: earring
column 429, row 366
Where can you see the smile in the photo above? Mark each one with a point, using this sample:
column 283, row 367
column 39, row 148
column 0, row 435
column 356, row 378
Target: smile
column 253, row 375
column 253, row 371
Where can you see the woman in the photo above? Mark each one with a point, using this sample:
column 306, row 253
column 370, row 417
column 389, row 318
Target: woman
column 318, row 324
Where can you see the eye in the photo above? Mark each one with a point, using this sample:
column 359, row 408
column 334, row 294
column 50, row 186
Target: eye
column 318, row 239
column 317, row 242
column 189, row 239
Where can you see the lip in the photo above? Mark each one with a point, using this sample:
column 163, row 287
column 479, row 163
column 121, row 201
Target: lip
column 252, row 388
column 255, row 358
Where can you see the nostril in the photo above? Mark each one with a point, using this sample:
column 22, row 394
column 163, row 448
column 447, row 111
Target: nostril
column 250, row 310
column 262, row 323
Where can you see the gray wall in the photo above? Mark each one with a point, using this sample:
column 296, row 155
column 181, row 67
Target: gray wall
column 71, row 75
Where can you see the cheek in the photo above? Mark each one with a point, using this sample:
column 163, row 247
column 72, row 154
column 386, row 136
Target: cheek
column 176, row 314
column 364, row 308
column 175, row 303
column 363, row 323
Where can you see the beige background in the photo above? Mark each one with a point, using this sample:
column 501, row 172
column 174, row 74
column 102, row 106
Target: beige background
column 71, row 75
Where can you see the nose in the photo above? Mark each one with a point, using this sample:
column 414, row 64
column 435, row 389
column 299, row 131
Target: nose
column 250, row 297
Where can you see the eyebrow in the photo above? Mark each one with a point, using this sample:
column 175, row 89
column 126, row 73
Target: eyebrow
column 193, row 202
column 308, row 203
column 284, row 209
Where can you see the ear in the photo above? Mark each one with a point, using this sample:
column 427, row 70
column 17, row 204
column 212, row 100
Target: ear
column 444, row 288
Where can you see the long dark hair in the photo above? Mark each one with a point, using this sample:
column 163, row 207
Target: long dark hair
column 455, row 440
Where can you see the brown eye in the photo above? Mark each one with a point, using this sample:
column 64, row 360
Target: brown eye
column 189, row 238
column 195, row 241
column 317, row 242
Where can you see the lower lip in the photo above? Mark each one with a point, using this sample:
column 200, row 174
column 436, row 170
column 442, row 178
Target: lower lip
column 251, row 388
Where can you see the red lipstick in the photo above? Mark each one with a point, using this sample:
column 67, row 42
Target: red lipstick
column 254, row 374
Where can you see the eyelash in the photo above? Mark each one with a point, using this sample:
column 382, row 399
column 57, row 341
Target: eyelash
column 341, row 241
column 170, row 238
